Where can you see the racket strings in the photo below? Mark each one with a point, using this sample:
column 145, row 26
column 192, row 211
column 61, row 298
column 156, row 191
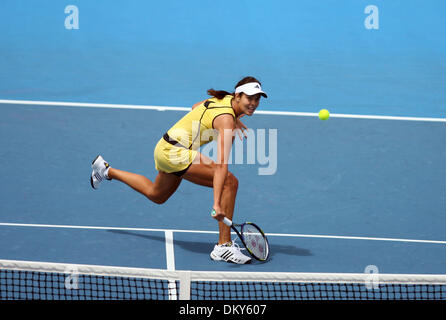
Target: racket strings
column 255, row 241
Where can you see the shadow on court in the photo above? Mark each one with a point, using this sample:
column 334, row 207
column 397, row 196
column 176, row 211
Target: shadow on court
column 205, row 247
column 193, row 246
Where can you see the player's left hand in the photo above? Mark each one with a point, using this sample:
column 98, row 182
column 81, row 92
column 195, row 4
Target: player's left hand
column 217, row 214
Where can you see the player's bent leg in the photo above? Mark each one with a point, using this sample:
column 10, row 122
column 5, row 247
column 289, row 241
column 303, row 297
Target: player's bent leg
column 202, row 172
column 159, row 191
column 164, row 187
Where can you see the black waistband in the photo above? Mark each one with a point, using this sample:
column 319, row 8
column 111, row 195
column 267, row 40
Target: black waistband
column 172, row 141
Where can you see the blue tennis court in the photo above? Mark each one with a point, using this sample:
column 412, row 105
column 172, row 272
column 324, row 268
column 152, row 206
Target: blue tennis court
column 364, row 188
column 343, row 178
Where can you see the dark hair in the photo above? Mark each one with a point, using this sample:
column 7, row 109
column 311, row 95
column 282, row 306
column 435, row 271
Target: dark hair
column 220, row 94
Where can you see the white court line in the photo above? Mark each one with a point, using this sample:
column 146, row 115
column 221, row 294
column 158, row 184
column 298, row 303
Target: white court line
column 167, row 108
column 170, row 255
column 170, row 262
column 7, row 224
column 93, row 105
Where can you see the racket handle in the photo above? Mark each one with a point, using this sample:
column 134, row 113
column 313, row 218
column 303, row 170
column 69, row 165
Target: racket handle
column 227, row 222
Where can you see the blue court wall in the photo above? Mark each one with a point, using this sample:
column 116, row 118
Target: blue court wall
column 308, row 54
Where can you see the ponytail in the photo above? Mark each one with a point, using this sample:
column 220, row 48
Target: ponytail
column 219, row 94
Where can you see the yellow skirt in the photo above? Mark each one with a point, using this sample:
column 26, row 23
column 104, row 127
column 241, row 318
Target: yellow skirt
column 171, row 159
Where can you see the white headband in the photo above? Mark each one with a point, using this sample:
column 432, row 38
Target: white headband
column 251, row 89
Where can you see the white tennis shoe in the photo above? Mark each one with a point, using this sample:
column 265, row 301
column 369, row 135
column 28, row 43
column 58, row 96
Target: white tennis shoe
column 229, row 252
column 100, row 172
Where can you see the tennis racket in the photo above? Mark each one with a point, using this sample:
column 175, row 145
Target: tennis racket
column 252, row 237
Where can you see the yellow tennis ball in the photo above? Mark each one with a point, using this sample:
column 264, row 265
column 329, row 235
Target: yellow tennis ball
column 324, row 114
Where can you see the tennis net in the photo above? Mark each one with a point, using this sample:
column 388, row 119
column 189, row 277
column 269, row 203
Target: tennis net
column 55, row 281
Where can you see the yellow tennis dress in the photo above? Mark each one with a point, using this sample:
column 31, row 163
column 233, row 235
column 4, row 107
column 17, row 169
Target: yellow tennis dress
column 177, row 149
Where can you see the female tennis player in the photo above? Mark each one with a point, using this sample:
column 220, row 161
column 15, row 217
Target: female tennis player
column 177, row 157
